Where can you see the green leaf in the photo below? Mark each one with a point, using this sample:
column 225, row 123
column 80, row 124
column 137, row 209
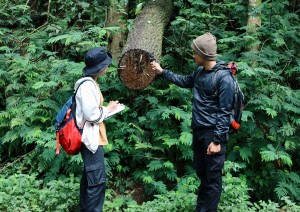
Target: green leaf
column 245, row 153
column 186, row 138
column 246, row 115
column 287, row 130
column 155, row 165
column 271, row 112
column 169, row 164
column 148, row 179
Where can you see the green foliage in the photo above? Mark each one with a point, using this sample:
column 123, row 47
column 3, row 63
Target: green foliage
column 183, row 199
column 268, row 78
column 21, row 192
column 235, row 194
column 36, row 82
column 235, row 197
column 41, row 55
column 289, row 185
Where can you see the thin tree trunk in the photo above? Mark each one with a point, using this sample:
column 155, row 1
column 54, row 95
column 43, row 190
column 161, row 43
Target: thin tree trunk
column 144, row 43
column 254, row 21
column 117, row 15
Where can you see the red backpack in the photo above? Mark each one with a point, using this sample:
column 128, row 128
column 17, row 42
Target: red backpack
column 68, row 134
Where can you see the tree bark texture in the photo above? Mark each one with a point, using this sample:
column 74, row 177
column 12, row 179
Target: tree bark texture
column 254, row 21
column 144, row 44
column 117, row 14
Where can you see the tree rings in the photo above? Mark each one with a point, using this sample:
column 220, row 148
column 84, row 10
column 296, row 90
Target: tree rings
column 135, row 70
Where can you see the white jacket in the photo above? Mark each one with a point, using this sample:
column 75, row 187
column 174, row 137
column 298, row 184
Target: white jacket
column 88, row 112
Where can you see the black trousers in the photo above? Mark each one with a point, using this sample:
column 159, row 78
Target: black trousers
column 208, row 169
column 93, row 181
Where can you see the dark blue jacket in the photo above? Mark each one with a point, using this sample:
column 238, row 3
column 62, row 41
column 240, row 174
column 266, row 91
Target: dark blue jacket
column 212, row 101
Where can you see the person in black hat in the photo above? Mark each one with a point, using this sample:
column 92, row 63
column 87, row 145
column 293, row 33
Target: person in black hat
column 90, row 114
column 212, row 105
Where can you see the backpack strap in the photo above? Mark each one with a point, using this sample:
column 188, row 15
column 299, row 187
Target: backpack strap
column 73, row 113
column 216, row 76
column 73, row 107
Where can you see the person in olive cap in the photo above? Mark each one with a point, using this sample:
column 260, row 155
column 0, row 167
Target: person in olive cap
column 211, row 111
column 90, row 114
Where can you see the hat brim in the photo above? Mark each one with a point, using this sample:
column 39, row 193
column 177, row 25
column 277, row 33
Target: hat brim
column 92, row 71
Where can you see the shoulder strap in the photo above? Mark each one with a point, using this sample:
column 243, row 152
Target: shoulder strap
column 73, row 107
column 215, row 77
column 80, row 84
column 215, row 87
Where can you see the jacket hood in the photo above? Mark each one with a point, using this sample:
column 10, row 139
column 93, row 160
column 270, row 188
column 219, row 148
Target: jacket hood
column 218, row 65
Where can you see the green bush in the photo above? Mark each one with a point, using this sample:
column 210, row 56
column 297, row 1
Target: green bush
column 21, row 192
column 150, row 144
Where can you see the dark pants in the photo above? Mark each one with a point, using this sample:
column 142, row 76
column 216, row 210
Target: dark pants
column 93, row 181
column 208, row 169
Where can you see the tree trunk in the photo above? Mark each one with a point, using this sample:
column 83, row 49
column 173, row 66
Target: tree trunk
column 117, row 15
column 144, row 44
column 254, row 21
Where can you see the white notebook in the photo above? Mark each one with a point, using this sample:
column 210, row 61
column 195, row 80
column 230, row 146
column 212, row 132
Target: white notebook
column 118, row 109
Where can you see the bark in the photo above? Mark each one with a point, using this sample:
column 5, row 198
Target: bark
column 254, row 21
column 117, row 15
column 144, row 44
column 148, row 28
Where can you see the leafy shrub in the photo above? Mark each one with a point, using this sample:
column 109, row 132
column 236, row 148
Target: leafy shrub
column 235, row 191
column 41, row 57
column 26, row 192
column 181, row 199
column 20, row 192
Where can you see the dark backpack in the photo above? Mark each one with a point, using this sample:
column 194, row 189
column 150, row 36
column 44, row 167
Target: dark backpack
column 68, row 134
column 238, row 99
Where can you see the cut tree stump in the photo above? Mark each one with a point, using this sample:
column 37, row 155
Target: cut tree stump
column 135, row 70
column 144, row 44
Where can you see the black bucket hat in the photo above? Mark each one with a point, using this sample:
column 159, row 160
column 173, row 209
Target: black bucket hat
column 96, row 60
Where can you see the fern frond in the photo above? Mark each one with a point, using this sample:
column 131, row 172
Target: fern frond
column 185, row 138
column 171, row 174
column 287, row 130
column 167, row 140
column 76, row 159
column 139, row 145
column 281, row 190
column 155, row 165
column 14, row 87
column 285, row 158
column 294, row 177
column 245, row 153
column 159, row 186
column 269, row 154
column 186, row 152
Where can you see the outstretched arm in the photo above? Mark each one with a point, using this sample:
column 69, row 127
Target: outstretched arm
column 179, row 80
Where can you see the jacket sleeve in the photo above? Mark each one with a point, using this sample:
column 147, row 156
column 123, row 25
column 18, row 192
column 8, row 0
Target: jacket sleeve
column 90, row 101
column 179, row 80
column 226, row 92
